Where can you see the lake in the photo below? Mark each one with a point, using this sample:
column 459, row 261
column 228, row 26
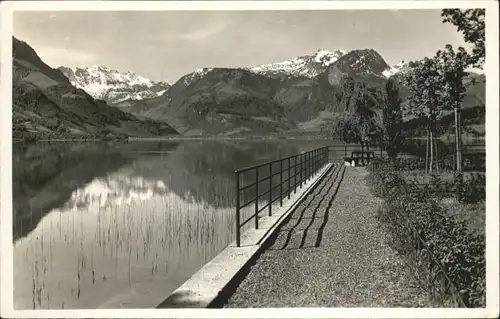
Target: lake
column 93, row 222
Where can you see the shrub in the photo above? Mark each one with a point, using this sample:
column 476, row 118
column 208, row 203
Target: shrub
column 471, row 191
column 407, row 210
column 383, row 180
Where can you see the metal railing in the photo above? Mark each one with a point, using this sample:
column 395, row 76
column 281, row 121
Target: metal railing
column 299, row 169
column 291, row 173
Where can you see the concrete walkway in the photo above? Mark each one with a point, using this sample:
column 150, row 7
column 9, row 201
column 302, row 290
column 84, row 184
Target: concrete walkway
column 332, row 252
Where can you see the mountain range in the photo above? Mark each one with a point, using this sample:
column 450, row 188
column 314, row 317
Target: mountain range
column 288, row 97
column 46, row 105
column 112, row 86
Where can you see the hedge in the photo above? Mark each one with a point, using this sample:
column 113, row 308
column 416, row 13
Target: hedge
column 454, row 249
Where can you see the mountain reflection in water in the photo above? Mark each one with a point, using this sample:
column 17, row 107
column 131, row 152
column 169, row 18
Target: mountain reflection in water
column 101, row 225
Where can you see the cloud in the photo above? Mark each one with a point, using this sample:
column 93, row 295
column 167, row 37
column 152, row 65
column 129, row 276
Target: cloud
column 203, row 33
column 199, row 33
column 57, row 56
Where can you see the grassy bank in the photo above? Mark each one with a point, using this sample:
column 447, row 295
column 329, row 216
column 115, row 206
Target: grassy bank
column 441, row 233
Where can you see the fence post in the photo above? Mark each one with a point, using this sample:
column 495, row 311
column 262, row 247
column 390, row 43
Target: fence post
column 281, row 183
column 322, row 158
column 301, row 160
column 295, row 174
column 308, row 163
column 314, row 162
column 257, row 198
column 317, row 159
column 311, row 164
column 305, row 167
column 289, row 179
column 270, row 188
column 237, row 209
column 304, row 156
column 313, row 155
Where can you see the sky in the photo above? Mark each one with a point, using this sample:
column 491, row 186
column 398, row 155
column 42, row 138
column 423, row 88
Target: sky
column 165, row 45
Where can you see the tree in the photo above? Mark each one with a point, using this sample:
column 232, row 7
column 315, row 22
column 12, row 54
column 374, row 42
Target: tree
column 357, row 124
column 343, row 128
column 364, row 116
column 471, row 23
column 425, row 85
column 452, row 68
column 392, row 116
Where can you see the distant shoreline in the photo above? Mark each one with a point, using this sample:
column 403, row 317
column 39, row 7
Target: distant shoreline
column 169, row 138
column 219, row 138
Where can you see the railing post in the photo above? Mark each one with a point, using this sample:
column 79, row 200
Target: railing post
column 313, row 165
column 289, row 179
column 281, row 183
column 295, row 174
column 301, row 168
column 321, row 155
column 257, row 198
column 314, row 162
column 310, row 166
column 308, row 163
column 317, row 159
column 270, row 188
column 316, row 152
column 307, row 168
column 237, row 209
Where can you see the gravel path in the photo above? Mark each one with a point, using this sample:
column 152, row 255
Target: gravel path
column 332, row 252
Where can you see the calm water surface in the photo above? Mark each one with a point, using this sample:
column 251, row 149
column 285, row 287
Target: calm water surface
column 97, row 223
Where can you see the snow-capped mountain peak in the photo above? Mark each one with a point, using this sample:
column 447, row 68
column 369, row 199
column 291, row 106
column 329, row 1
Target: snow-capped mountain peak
column 196, row 75
column 303, row 66
column 399, row 67
column 326, row 57
column 104, row 83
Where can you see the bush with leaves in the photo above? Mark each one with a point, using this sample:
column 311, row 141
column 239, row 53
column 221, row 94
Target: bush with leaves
column 460, row 253
column 472, row 190
column 383, row 181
